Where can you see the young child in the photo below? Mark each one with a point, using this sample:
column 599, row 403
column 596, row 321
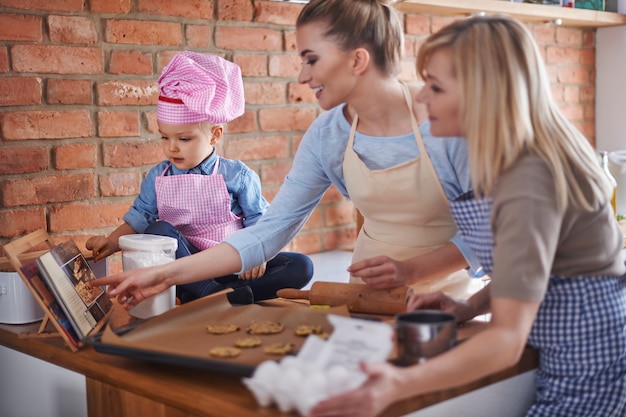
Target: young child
column 194, row 195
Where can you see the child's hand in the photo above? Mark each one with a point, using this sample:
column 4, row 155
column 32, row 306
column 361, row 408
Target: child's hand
column 254, row 273
column 100, row 247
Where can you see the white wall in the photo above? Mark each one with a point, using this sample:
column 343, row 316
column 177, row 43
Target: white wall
column 611, row 88
column 31, row 387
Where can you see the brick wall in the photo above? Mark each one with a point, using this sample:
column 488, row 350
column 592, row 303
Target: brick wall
column 78, row 93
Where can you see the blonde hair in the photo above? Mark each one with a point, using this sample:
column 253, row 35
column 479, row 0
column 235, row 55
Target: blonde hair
column 507, row 109
column 352, row 24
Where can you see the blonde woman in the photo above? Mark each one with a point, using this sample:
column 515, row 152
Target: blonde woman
column 541, row 223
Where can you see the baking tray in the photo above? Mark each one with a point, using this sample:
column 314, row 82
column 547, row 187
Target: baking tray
column 179, row 336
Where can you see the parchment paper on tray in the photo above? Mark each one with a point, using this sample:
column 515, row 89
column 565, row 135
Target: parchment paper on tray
column 182, row 331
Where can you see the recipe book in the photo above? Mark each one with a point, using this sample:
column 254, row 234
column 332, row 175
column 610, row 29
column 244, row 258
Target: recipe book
column 68, row 276
column 40, row 289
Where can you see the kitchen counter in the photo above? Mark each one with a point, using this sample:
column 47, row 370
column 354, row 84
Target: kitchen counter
column 119, row 386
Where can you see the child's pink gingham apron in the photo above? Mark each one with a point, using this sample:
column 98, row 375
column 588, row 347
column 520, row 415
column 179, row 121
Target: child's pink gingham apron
column 198, row 206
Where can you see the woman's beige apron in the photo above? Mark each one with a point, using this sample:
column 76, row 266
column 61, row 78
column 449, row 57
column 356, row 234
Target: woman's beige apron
column 405, row 211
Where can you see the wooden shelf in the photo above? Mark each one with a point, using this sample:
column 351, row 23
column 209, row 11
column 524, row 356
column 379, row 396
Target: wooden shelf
column 526, row 12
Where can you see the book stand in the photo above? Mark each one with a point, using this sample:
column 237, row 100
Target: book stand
column 17, row 253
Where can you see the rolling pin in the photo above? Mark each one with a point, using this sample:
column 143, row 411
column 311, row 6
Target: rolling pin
column 359, row 298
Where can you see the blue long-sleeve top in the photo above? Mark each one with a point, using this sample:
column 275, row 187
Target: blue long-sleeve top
column 318, row 164
column 243, row 184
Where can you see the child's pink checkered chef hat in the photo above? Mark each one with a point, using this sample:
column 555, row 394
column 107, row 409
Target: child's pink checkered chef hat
column 198, row 87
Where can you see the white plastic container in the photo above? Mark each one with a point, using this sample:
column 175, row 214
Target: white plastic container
column 140, row 251
column 17, row 304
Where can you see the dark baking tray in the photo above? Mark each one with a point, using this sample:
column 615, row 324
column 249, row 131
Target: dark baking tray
column 242, row 370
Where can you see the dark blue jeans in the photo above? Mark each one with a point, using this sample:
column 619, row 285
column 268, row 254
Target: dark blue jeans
column 285, row 270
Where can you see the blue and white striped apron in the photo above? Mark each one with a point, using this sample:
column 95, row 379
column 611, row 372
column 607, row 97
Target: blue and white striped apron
column 579, row 331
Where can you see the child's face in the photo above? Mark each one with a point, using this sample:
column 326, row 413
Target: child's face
column 186, row 146
column 441, row 95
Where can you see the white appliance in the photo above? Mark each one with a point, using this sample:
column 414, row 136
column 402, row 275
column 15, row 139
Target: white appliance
column 17, row 304
column 617, row 166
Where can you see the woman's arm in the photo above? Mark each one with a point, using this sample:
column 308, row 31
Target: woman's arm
column 135, row 285
column 494, row 349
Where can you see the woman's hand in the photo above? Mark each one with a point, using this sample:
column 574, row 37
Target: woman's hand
column 464, row 310
column 382, row 272
column 254, row 273
column 133, row 286
column 377, row 393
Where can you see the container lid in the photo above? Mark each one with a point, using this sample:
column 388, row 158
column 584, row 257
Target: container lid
column 150, row 243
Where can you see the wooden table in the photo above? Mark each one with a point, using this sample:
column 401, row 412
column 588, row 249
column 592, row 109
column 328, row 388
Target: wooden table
column 119, row 386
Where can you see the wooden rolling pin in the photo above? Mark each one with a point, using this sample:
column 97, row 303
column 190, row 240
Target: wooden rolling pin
column 359, row 298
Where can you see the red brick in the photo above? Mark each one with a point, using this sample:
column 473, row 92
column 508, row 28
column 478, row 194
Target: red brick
column 588, row 93
column 571, row 94
column 438, row 22
column 307, row 243
column 275, row 173
column 573, row 112
column 70, row 217
column 47, row 189
column 588, row 57
column 198, row 36
column 237, row 10
column 252, row 65
column 23, row 159
column 118, row 184
column 135, row 154
column 276, row 13
column 72, row 29
column 142, row 32
column 118, row 123
column 20, row 91
column 242, row 124
column 110, row 6
column 569, row 36
column 53, row 59
column 14, row 223
column 46, row 125
column 300, row 93
column 257, row 148
column 290, row 41
column 127, row 92
column 285, row 66
column 151, row 122
column 264, row 92
column 315, row 221
column 19, row 27
column 163, row 58
column 417, row 24
column 75, row 156
column 285, row 119
column 65, row 91
column 192, row 9
column 4, row 59
column 339, row 238
column 410, row 50
column 46, row 5
column 561, row 55
column 340, row 214
column 332, row 195
column 545, row 34
column 574, row 75
column 248, row 38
